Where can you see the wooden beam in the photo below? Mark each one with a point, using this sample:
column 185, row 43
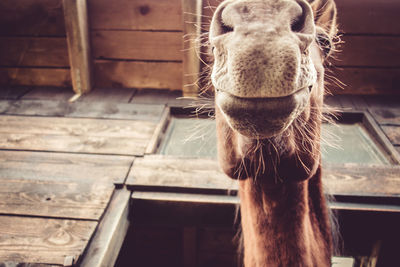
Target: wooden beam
column 110, row 234
column 76, row 24
column 192, row 10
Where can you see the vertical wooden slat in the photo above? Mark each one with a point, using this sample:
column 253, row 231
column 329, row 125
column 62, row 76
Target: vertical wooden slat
column 76, row 24
column 192, row 10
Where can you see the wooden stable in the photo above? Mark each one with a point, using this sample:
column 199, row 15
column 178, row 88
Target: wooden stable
column 82, row 183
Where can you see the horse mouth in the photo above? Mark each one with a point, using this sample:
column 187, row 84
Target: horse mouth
column 262, row 117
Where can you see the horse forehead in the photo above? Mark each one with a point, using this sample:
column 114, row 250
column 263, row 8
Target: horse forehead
column 239, row 11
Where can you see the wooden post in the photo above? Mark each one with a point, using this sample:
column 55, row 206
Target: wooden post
column 192, row 10
column 76, row 24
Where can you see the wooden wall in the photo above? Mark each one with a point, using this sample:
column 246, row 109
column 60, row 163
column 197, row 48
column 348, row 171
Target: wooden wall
column 33, row 47
column 139, row 43
column 369, row 62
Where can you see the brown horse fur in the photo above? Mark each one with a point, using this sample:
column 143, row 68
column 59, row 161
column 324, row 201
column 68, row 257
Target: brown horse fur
column 268, row 77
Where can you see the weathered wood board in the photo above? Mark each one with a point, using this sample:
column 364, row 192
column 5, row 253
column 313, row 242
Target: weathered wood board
column 62, row 199
column 79, row 46
column 60, row 77
column 110, row 233
column 31, row 18
column 137, row 45
column 81, row 109
column 386, row 115
column 75, row 135
column 197, row 175
column 50, row 93
column 135, row 15
column 13, row 92
column 364, row 81
column 33, row 51
column 42, row 240
column 368, row 17
column 369, row 51
column 393, row 133
column 178, row 174
column 63, row 167
column 137, row 74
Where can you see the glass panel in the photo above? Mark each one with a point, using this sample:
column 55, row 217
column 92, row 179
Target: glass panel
column 341, row 143
column 350, row 143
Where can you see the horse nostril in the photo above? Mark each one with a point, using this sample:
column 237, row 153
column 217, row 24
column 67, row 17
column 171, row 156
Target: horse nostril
column 226, row 28
column 297, row 24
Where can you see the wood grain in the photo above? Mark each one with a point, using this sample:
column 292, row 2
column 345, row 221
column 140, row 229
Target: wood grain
column 79, row 109
column 139, row 45
column 35, row 77
column 368, row 16
column 13, row 93
column 62, row 167
column 128, row 74
column 33, row 51
column 393, row 133
column 365, row 81
column 178, row 174
column 31, row 18
column 50, row 93
column 79, row 50
column 75, row 135
column 386, row 115
column 121, row 95
column 369, row 51
column 42, row 240
column 135, row 15
column 110, row 233
column 187, row 175
column 192, row 12
column 61, row 199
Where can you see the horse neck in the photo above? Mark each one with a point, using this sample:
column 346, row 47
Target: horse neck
column 285, row 220
column 285, row 225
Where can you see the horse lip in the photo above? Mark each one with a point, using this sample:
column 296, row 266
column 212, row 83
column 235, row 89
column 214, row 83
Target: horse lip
column 263, row 117
column 301, row 90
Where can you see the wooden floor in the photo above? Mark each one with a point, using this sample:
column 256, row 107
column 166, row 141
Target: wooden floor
column 67, row 169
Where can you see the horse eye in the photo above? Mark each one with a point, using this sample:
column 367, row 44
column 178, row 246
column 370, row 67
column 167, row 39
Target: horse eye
column 325, row 43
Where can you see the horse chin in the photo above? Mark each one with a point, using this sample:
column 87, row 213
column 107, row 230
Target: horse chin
column 261, row 117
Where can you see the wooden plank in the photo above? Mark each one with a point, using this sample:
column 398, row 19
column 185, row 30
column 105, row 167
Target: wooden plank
column 393, row 133
column 117, row 74
column 135, row 15
column 178, row 174
column 372, row 17
column 138, row 45
column 79, row 109
column 76, row 25
column 175, row 174
column 158, row 132
column 359, row 180
column 110, row 234
column 369, row 51
column 31, row 18
column 155, row 96
column 109, row 95
column 386, row 115
column 33, row 51
column 42, row 240
column 35, row 77
column 50, row 93
column 192, row 12
column 367, row 81
column 62, row 167
column 7, row 92
column 75, row 135
column 61, row 199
